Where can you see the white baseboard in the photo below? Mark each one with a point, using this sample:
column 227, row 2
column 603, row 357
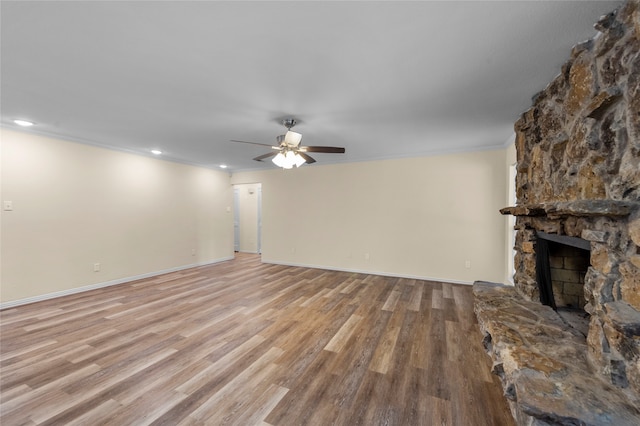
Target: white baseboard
column 75, row 290
column 361, row 271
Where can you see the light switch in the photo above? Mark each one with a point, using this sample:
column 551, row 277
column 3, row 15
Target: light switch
column 7, row 205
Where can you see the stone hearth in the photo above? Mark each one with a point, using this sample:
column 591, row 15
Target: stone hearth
column 578, row 176
column 542, row 363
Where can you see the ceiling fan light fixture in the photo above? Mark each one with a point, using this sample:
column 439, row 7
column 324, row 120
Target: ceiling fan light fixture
column 299, row 161
column 289, row 152
column 288, row 160
column 281, row 161
column 292, row 138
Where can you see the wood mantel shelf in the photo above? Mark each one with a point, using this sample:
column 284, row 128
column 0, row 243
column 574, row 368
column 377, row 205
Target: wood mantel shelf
column 583, row 208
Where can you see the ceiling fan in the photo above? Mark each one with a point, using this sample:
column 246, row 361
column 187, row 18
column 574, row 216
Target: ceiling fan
column 289, row 152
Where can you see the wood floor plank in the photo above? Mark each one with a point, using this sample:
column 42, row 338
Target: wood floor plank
column 24, row 350
column 199, row 379
column 339, row 340
column 416, row 297
column 447, row 290
column 100, row 414
column 247, row 343
column 387, row 345
column 436, row 299
column 392, row 300
column 48, row 395
column 262, row 406
column 301, row 405
column 227, row 402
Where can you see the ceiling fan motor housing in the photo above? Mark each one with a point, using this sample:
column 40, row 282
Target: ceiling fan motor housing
column 289, row 123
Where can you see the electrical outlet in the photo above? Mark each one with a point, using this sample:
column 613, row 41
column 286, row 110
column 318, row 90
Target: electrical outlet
column 467, row 264
column 366, row 256
column 7, row 205
column 96, row 267
column 193, row 252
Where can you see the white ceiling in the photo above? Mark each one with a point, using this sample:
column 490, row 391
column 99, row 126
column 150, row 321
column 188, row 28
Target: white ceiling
column 383, row 79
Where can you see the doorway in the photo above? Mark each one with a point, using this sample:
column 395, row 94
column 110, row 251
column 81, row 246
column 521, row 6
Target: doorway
column 247, row 220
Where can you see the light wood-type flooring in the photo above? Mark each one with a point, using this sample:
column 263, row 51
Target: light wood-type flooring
column 246, row 343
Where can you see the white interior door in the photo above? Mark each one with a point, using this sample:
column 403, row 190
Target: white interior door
column 259, row 236
column 247, row 200
column 236, row 219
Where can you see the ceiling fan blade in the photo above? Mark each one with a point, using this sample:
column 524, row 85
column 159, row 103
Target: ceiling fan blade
column 327, row 149
column 265, row 156
column 306, row 157
column 256, row 143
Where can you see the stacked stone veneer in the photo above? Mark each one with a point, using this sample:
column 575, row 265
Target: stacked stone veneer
column 578, row 174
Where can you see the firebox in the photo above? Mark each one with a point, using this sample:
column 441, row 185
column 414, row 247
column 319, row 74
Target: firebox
column 561, row 266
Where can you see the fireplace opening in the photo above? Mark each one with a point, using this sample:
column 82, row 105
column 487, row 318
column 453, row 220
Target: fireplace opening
column 561, row 266
column 568, row 269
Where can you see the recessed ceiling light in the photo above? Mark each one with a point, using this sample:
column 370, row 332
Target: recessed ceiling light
column 23, row 123
column 156, row 151
column 223, row 166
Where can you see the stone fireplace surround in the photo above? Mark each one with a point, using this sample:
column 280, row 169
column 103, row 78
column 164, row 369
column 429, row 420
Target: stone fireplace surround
column 578, row 175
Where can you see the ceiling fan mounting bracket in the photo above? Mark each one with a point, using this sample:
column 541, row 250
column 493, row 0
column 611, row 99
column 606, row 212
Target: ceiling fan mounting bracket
column 289, row 122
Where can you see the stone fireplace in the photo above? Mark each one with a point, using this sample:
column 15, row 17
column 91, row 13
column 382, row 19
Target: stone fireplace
column 577, row 242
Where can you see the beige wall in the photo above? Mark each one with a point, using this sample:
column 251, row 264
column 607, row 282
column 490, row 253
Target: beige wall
column 510, row 221
column 75, row 205
column 422, row 217
column 248, row 216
